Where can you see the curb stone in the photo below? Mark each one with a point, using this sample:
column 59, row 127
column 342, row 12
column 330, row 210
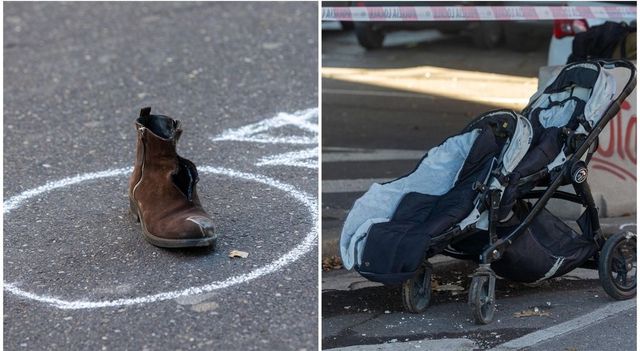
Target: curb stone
column 426, row 344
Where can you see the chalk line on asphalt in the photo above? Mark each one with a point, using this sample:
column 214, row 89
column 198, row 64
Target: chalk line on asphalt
column 624, row 225
column 302, row 158
column 307, row 244
column 258, row 132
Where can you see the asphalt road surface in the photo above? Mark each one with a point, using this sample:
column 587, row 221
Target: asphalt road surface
column 78, row 274
column 374, row 131
column 569, row 313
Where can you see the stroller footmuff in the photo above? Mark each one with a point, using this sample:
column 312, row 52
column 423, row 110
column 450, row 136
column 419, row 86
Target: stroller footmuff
column 395, row 249
column 387, row 232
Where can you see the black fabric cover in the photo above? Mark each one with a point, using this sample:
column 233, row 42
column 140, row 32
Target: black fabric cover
column 501, row 120
column 545, row 146
column 535, row 252
column 580, row 76
column 599, row 41
column 395, row 249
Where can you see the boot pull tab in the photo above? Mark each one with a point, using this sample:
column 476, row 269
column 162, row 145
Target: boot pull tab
column 145, row 111
column 144, row 114
column 177, row 131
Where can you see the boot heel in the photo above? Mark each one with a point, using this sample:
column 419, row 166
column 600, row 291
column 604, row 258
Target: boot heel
column 133, row 211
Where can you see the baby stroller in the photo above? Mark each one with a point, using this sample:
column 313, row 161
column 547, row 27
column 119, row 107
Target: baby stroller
column 467, row 198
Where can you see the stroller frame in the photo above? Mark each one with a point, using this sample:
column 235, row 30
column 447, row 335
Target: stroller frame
column 417, row 291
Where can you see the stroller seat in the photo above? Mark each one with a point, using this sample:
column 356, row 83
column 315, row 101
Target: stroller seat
column 562, row 115
column 389, row 228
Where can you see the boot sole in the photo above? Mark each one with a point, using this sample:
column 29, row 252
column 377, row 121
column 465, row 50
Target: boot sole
column 169, row 243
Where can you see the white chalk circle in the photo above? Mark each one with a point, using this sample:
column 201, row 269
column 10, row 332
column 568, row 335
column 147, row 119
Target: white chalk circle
column 309, row 241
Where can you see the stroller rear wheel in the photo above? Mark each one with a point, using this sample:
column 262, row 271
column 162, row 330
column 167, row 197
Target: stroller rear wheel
column 482, row 298
column 416, row 292
column 617, row 266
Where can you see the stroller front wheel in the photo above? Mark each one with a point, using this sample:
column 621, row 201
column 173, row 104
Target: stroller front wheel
column 482, row 298
column 617, row 266
column 416, row 292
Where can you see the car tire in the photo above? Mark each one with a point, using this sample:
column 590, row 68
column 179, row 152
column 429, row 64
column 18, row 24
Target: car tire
column 368, row 37
column 519, row 40
column 487, row 35
column 346, row 25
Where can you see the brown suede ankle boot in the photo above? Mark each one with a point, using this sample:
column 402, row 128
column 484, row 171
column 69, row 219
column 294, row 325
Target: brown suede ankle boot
column 162, row 187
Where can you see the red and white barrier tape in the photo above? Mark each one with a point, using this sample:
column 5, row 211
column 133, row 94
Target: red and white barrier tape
column 476, row 13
